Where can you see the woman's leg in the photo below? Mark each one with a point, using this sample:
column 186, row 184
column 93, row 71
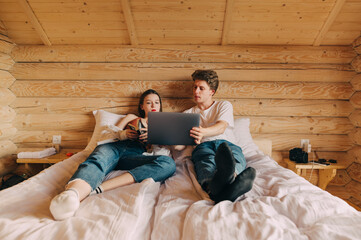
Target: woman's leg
column 140, row 167
column 158, row 167
column 119, row 181
column 88, row 176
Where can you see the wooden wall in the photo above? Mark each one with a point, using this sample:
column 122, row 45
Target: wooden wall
column 288, row 92
column 7, row 114
column 348, row 182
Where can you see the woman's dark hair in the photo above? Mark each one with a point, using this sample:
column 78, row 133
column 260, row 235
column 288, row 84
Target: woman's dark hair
column 209, row 76
column 141, row 101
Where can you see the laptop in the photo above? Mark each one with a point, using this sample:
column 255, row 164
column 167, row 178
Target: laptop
column 170, row 128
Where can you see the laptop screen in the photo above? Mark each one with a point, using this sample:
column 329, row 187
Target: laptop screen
column 169, row 128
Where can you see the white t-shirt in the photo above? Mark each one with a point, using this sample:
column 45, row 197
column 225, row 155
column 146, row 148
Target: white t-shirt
column 220, row 110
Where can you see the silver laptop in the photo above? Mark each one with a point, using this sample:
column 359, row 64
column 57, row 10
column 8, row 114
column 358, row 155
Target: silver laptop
column 169, row 128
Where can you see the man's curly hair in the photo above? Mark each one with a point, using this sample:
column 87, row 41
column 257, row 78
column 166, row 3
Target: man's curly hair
column 209, row 76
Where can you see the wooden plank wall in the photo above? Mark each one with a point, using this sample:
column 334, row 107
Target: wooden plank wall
column 347, row 183
column 7, row 114
column 289, row 92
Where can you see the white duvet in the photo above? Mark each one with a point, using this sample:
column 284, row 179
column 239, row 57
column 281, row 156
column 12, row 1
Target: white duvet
column 281, row 205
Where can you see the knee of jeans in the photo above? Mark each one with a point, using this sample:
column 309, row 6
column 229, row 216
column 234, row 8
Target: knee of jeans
column 104, row 150
column 168, row 163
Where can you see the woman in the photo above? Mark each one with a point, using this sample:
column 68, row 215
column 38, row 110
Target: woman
column 125, row 154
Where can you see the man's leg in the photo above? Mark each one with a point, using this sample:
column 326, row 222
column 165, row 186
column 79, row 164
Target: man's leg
column 245, row 177
column 203, row 158
column 225, row 173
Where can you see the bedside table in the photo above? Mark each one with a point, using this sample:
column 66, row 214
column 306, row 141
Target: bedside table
column 326, row 173
column 58, row 157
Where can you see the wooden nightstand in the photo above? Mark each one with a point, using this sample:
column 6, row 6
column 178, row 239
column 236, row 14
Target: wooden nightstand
column 326, row 173
column 47, row 160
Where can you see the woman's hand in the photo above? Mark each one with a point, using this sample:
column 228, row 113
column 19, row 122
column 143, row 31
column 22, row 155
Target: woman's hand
column 143, row 137
column 197, row 133
column 132, row 134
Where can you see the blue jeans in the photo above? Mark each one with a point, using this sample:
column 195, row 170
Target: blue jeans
column 123, row 155
column 204, row 162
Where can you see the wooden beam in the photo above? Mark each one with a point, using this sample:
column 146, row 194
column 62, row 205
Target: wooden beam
column 2, row 28
column 329, row 21
column 34, row 20
column 129, row 21
column 356, row 64
column 227, row 21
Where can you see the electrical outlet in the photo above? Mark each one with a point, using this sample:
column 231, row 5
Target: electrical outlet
column 56, row 139
column 304, row 143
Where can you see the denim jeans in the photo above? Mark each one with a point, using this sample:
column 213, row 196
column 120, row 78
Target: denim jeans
column 204, row 163
column 123, row 155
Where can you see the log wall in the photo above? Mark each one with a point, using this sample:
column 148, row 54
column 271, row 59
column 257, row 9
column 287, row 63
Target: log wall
column 7, row 114
column 290, row 93
column 347, row 184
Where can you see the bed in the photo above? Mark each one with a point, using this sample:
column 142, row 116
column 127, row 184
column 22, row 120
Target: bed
column 281, row 204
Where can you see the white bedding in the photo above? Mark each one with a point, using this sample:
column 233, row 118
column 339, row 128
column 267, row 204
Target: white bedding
column 281, row 205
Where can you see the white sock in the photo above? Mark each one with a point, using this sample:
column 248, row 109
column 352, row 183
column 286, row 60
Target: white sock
column 65, row 204
column 98, row 190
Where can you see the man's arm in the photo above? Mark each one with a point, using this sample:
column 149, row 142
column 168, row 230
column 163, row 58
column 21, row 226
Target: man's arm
column 198, row 132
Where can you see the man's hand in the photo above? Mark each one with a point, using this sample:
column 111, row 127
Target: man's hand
column 197, row 133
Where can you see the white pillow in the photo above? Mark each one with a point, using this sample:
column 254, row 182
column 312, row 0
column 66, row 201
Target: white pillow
column 102, row 119
column 244, row 138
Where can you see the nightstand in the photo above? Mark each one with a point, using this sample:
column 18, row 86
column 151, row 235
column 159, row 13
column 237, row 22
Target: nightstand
column 58, row 157
column 326, row 173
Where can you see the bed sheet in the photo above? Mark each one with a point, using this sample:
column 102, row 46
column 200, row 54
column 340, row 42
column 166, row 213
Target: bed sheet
column 281, row 205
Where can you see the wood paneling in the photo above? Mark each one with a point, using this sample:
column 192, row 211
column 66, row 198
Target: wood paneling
column 6, row 147
column 354, row 171
column 6, row 79
column 355, row 117
column 348, row 17
column 292, row 125
column 356, row 63
column 289, row 93
column 206, row 54
column 6, row 61
column 174, row 72
column 194, row 22
column 241, row 107
column 356, row 82
column 341, row 179
column 355, row 153
column 7, row 114
column 6, row 96
column 181, row 89
column 319, row 142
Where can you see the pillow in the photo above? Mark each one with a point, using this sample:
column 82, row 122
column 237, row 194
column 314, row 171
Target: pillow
column 102, row 120
column 244, row 138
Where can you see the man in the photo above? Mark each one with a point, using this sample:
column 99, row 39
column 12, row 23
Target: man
column 219, row 164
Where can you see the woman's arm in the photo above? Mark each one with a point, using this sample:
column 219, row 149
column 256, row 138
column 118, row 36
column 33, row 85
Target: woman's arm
column 127, row 133
column 125, row 120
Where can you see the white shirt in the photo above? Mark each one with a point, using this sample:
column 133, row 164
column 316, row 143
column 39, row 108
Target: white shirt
column 220, row 110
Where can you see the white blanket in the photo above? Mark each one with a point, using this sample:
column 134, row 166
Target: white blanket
column 281, row 205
